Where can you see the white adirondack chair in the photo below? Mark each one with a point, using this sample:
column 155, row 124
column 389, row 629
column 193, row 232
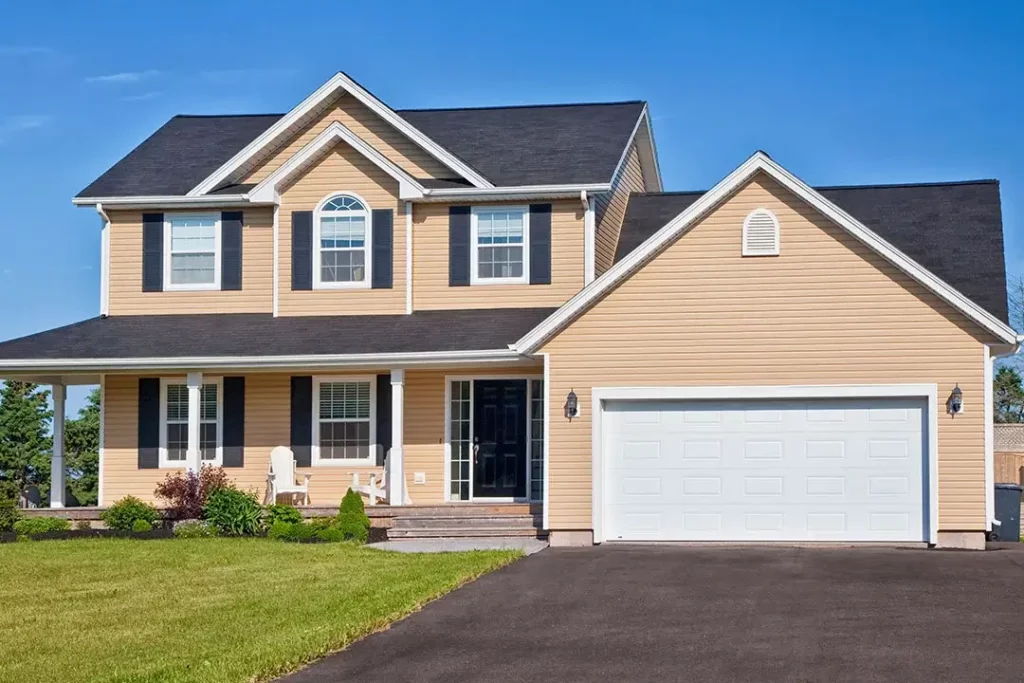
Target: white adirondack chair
column 281, row 477
column 377, row 489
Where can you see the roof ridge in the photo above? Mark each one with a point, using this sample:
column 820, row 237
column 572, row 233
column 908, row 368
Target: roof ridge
column 525, row 106
column 883, row 186
column 221, row 116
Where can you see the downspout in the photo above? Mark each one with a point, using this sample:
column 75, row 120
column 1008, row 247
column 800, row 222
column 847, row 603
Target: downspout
column 104, row 262
column 277, row 275
column 589, row 238
column 989, row 416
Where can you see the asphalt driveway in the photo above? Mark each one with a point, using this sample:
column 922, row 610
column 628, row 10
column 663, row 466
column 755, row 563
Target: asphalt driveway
column 711, row 614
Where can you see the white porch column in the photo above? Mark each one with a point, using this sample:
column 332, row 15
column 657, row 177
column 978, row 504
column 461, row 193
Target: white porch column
column 193, row 458
column 396, row 467
column 57, row 453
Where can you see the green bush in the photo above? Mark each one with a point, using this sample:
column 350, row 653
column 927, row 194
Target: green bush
column 319, row 523
column 331, row 534
column 9, row 514
column 194, row 528
column 32, row 526
column 352, row 502
column 302, row 532
column 234, row 512
column 83, row 525
column 281, row 530
column 353, row 527
column 282, row 513
column 123, row 514
column 141, row 526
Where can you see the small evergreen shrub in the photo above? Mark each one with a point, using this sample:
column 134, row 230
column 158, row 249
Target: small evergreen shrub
column 319, row 523
column 141, row 526
column 83, row 525
column 282, row 513
column 123, row 514
column 9, row 514
column 331, row 534
column 234, row 512
column 352, row 502
column 353, row 527
column 194, row 528
column 32, row 526
column 281, row 530
column 302, row 532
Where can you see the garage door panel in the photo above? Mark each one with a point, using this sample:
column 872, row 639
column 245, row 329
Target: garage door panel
column 795, row 470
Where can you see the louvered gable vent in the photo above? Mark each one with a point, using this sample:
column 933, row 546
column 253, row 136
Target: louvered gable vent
column 761, row 234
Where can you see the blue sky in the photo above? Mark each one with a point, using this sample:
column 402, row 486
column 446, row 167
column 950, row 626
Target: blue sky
column 864, row 92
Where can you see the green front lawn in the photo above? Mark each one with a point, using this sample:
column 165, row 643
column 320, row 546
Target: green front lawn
column 205, row 609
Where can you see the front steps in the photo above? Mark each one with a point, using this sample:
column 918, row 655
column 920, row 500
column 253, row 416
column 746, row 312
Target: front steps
column 466, row 521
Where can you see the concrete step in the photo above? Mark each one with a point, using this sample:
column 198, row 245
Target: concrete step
column 454, row 510
column 507, row 521
column 464, row 532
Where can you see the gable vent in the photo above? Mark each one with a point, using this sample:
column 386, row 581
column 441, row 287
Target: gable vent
column 761, row 234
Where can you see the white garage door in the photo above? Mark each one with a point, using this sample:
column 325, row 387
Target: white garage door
column 814, row 470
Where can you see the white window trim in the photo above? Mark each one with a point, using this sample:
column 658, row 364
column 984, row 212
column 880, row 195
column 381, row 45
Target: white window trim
column 474, row 248
column 775, row 223
column 371, row 460
column 367, row 248
column 164, row 463
column 215, row 285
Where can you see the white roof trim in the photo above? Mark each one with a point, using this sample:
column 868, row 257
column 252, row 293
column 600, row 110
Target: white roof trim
column 266, row 191
column 179, row 201
column 652, row 174
column 338, row 82
column 759, row 162
column 385, row 360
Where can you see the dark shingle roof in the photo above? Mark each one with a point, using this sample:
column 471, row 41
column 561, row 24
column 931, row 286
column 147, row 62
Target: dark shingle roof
column 179, row 156
column 955, row 230
column 531, row 145
column 261, row 334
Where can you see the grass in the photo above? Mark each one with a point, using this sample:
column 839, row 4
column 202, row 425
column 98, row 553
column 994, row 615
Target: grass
column 204, row 609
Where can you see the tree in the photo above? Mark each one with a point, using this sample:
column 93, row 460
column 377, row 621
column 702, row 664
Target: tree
column 1008, row 395
column 82, row 450
column 1015, row 299
column 25, row 441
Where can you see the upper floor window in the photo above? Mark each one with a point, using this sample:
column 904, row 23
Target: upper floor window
column 500, row 245
column 341, row 241
column 192, row 252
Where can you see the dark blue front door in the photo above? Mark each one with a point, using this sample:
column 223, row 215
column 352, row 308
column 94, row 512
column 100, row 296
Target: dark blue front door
column 499, row 438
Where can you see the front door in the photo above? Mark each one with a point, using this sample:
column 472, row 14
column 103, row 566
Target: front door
column 499, row 438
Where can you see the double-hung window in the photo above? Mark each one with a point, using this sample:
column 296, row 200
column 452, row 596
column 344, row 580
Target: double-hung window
column 342, row 239
column 344, row 430
column 191, row 252
column 500, row 245
column 174, row 423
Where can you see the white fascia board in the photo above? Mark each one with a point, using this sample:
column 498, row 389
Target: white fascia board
column 759, row 162
column 629, row 143
column 656, row 165
column 159, row 201
column 338, row 82
column 429, row 358
column 512, row 192
column 267, row 191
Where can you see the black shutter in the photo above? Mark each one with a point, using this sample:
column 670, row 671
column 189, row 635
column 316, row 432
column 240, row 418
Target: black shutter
column 149, row 423
column 233, row 441
column 302, row 420
column 458, row 246
column 152, row 252
column 302, row 250
column 540, row 244
column 231, row 250
column 383, row 248
column 383, row 416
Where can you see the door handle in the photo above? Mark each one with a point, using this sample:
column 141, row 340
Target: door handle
column 476, row 449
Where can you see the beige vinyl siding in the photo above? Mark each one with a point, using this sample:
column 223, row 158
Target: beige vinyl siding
column 340, row 170
column 826, row 311
column 370, row 128
column 268, row 424
column 256, row 295
column 430, row 288
column 611, row 209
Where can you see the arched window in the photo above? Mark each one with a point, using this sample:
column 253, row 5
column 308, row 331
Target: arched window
column 761, row 234
column 341, row 241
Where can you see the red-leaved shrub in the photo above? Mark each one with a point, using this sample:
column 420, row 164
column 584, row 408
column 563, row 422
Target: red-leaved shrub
column 185, row 493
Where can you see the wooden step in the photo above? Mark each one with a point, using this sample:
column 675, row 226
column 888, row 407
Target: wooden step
column 489, row 521
column 465, row 532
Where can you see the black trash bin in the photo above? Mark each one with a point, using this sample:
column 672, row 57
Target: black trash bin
column 1008, row 513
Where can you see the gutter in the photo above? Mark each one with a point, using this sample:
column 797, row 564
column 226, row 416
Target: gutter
column 514, row 192
column 164, row 200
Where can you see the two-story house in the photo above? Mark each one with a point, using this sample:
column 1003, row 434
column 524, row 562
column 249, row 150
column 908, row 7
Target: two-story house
column 502, row 304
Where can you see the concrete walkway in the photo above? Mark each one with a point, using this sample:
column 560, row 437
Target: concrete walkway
column 529, row 546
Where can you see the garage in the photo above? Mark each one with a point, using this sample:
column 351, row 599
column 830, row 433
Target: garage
column 852, row 468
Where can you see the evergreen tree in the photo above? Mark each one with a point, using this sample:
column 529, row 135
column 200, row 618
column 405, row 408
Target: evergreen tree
column 1008, row 396
column 82, row 450
column 25, row 441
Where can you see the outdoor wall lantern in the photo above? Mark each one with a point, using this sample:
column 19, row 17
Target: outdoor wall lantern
column 572, row 405
column 956, row 401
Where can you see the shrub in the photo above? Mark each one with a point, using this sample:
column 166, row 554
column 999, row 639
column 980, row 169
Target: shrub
column 194, row 528
column 294, row 531
column 234, row 512
column 32, row 526
column 282, row 513
column 281, row 530
column 141, row 526
column 186, row 493
column 123, row 514
column 352, row 502
column 319, row 523
column 331, row 534
column 353, row 527
column 9, row 514
column 83, row 525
